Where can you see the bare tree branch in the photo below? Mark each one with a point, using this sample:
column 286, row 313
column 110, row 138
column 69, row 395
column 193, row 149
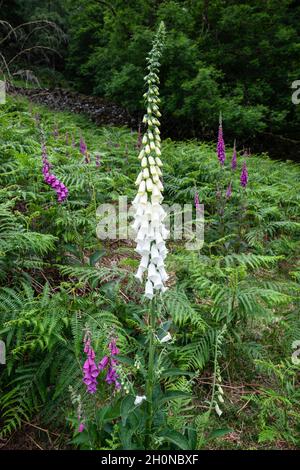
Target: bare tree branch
column 29, row 23
column 30, row 49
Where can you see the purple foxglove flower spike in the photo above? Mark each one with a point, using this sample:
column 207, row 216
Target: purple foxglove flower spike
column 221, row 145
column 51, row 180
column 90, row 370
column 197, row 201
column 81, row 427
column 244, row 175
column 111, row 362
column 83, row 150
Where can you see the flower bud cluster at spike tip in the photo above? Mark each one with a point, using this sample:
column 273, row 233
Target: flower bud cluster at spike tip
column 229, row 191
column 51, row 180
column 244, row 175
column 221, row 146
column 149, row 214
column 90, row 370
column 111, row 362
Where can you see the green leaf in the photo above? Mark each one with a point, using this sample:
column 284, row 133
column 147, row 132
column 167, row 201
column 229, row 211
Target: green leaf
column 175, row 372
column 173, row 395
column 127, row 407
column 176, row 438
column 219, row 433
column 96, row 256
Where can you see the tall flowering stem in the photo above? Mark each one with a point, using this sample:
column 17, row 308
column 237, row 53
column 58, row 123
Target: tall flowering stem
column 197, row 201
column 221, row 145
column 149, row 214
column 110, row 363
column 83, row 150
column 50, row 179
column 244, row 175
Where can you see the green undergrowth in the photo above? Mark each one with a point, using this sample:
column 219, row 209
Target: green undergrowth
column 234, row 304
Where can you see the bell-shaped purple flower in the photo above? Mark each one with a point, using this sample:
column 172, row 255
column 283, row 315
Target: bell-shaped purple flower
column 103, row 363
column 113, row 347
column 81, row 427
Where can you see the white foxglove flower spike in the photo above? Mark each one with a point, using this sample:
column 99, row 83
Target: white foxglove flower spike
column 149, row 215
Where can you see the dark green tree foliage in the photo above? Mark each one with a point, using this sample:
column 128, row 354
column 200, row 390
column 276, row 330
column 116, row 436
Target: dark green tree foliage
column 241, row 57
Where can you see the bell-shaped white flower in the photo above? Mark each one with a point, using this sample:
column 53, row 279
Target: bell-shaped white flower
column 152, row 273
column 218, row 410
column 145, row 173
column 163, row 274
column 139, row 179
column 139, row 399
column 149, row 184
column 144, row 262
column 142, row 187
column 166, row 338
column 149, row 290
column 143, row 199
column 158, row 283
column 154, row 254
column 155, row 190
column 140, row 273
